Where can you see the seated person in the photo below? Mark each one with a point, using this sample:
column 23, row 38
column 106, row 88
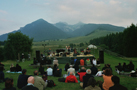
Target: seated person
column 83, row 69
column 91, row 85
column 82, row 62
column 125, row 67
column 71, row 78
column 35, row 61
column 55, row 69
column 58, row 73
column 81, row 74
column 76, row 66
column 88, row 61
column 93, row 69
column 1, row 72
column 12, row 68
column 75, row 60
column 133, row 73
column 119, row 67
column 131, row 66
column 44, row 77
column 98, row 62
column 41, row 69
column 18, row 68
column 99, row 73
column 94, row 61
column 67, row 66
column 117, row 86
column 71, row 69
column 9, row 85
column 49, row 71
column 55, row 61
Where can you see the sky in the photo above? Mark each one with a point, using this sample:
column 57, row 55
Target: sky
column 18, row 13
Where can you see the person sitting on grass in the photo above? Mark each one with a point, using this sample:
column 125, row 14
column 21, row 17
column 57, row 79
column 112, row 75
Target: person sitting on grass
column 71, row 69
column 91, row 85
column 117, row 86
column 30, row 85
column 9, row 84
column 41, row 69
column 83, row 69
column 22, row 79
column 71, row 78
column 49, row 71
column 67, row 66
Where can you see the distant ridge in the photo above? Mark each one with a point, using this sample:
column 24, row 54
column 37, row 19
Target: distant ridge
column 41, row 30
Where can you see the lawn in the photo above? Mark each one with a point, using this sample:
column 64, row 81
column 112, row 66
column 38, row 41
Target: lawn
column 129, row 82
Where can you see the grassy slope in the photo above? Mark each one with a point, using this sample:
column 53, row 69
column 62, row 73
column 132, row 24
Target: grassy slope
column 76, row 40
column 129, row 82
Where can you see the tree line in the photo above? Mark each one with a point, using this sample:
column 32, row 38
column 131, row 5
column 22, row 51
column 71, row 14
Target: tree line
column 123, row 43
column 15, row 45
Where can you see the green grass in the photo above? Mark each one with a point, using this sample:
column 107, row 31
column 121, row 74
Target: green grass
column 129, row 82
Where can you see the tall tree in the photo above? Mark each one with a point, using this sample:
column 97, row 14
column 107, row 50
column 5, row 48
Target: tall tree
column 17, row 43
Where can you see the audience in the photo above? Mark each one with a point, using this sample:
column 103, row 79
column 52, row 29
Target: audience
column 9, row 85
column 30, row 85
column 117, row 86
column 71, row 78
column 44, row 77
column 105, row 66
column 107, row 79
column 49, row 71
column 39, row 82
column 71, row 69
column 18, row 68
column 91, row 85
column 55, row 69
column 86, row 78
column 75, row 59
column 76, row 66
column 22, row 79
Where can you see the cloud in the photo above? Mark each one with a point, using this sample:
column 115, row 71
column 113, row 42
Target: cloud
column 3, row 12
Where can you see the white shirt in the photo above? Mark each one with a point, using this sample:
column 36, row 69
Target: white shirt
column 94, row 62
column 49, row 71
column 99, row 73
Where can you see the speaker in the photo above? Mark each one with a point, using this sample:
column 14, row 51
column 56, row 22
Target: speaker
column 101, row 56
column 38, row 55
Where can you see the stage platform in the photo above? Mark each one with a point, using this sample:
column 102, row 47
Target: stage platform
column 70, row 58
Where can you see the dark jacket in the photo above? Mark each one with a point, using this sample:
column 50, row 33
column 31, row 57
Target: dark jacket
column 85, row 79
column 94, row 70
column 29, row 87
column 118, row 87
column 22, row 80
column 41, row 70
column 12, row 88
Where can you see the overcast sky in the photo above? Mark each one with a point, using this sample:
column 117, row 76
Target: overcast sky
column 17, row 13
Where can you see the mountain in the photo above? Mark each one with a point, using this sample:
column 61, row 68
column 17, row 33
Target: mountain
column 89, row 28
column 68, row 28
column 41, row 30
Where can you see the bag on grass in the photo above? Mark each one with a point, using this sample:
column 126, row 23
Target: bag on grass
column 61, row 79
column 51, row 83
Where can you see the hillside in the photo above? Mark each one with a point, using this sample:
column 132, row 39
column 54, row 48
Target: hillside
column 41, row 30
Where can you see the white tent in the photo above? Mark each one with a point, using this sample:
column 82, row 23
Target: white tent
column 92, row 46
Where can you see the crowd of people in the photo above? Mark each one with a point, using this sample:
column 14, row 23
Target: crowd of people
column 86, row 76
